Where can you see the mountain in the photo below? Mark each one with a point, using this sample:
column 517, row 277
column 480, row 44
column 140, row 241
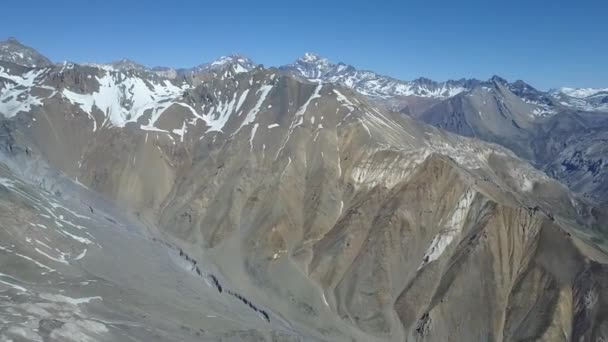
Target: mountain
column 13, row 51
column 314, row 67
column 417, row 96
column 257, row 205
column 571, row 147
column 565, row 142
column 232, row 64
column 165, row 72
column 489, row 112
column 76, row 267
column 126, row 64
column 582, row 93
column 235, row 63
column 586, row 99
column 410, row 97
column 545, row 104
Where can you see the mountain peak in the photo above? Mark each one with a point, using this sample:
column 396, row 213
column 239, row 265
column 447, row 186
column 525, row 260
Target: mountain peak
column 519, row 87
column 312, row 57
column 424, row 81
column 499, row 80
column 582, row 93
column 127, row 64
column 13, row 40
column 238, row 63
column 12, row 50
column 231, row 59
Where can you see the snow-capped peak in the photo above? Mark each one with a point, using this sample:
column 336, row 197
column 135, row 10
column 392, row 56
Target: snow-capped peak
column 238, row 63
column 581, row 93
column 311, row 57
column 230, row 59
column 587, row 99
column 314, row 67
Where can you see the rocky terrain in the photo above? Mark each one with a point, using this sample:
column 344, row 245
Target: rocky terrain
column 13, row 51
column 561, row 131
column 567, row 143
column 256, row 205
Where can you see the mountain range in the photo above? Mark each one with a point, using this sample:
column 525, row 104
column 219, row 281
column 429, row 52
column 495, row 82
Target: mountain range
column 308, row 202
column 515, row 115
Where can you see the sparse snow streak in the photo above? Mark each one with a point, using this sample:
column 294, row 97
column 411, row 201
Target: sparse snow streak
column 253, row 130
column 302, row 109
column 39, row 264
column 286, row 166
column 345, row 102
column 298, row 118
column 16, row 287
column 78, row 238
column 64, row 299
column 60, row 260
column 241, row 100
column 324, row 299
column 264, row 90
column 365, row 126
column 192, row 110
column 81, row 255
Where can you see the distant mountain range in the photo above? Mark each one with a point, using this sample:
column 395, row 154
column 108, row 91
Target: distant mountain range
column 317, row 68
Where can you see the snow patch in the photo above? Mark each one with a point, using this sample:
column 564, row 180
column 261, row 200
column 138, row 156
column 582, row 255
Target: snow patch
column 251, row 116
column 123, row 98
column 451, row 229
column 253, row 130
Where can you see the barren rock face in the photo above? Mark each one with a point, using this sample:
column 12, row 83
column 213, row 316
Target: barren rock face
column 257, row 206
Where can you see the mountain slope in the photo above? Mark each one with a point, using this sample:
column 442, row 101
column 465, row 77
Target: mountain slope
column 77, row 268
column 572, row 147
column 490, row 112
column 567, row 144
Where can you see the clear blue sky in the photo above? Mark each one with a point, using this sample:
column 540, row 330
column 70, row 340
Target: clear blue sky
column 547, row 43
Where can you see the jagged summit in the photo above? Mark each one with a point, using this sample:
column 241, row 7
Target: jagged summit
column 128, row 64
column 232, row 58
column 315, row 67
column 582, row 93
column 234, row 62
column 312, row 57
column 12, row 50
column 406, row 96
column 498, row 79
